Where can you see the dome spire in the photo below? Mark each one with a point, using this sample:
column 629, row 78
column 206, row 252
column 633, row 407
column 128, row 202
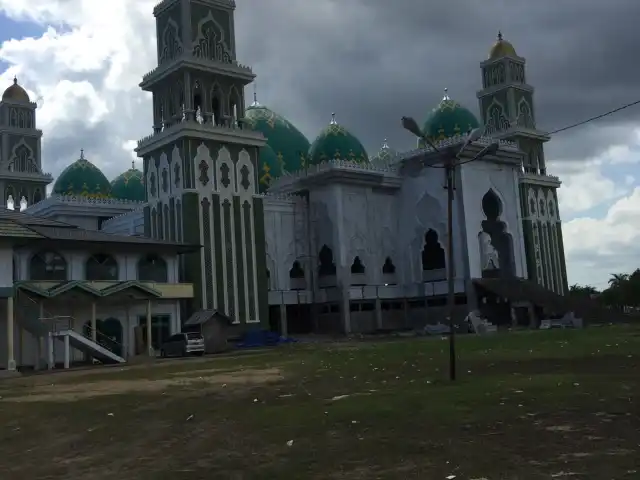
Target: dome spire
column 82, row 154
column 385, row 145
column 499, row 36
column 133, row 164
column 255, row 95
column 446, row 94
column 15, row 80
column 333, row 119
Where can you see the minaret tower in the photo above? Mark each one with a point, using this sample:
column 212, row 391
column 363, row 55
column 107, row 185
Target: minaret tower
column 200, row 163
column 21, row 176
column 507, row 111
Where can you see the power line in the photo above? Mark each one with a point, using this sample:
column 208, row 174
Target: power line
column 597, row 117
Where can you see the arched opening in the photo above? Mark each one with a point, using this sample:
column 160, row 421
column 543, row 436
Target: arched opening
column 216, row 105
column 296, row 277
column 296, row 271
column 197, row 103
column 496, row 244
column 491, row 205
column 388, row 268
column 433, row 256
column 101, row 267
column 152, row 268
column 357, row 267
column 48, row 266
column 326, row 267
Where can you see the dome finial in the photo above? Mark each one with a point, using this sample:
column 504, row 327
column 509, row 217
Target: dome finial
column 15, row 80
column 446, row 94
column 133, row 164
column 333, row 119
column 82, row 154
column 255, row 95
column 499, row 36
column 385, row 145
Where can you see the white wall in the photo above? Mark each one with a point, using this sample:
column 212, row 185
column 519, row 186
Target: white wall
column 422, row 205
column 6, row 266
column 477, row 179
column 285, row 221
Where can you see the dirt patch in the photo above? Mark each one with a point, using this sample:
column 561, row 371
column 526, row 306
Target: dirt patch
column 69, row 393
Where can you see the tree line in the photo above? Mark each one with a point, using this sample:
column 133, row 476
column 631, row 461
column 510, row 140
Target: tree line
column 621, row 293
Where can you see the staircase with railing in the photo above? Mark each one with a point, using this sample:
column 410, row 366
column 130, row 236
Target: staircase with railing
column 45, row 325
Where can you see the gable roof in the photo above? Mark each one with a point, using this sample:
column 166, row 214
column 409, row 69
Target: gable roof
column 19, row 225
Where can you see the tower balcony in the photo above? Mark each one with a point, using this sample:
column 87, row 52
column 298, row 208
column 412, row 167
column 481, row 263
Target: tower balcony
column 232, row 132
column 187, row 61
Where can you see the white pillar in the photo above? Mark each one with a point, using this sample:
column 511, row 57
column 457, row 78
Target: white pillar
column 66, row 351
column 94, row 331
column 39, row 340
column 346, row 310
column 51, row 361
column 11, row 360
column 378, row 313
column 126, row 333
column 149, row 336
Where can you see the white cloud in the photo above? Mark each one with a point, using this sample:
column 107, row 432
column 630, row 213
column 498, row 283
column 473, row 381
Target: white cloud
column 597, row 247
column 586, row 189
column 85, row 75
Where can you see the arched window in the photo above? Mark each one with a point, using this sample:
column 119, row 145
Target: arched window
column 388, row 268
column 152, row 268
column 48, row 265
column 357, row 267
column 296, row 271
column 101, row 267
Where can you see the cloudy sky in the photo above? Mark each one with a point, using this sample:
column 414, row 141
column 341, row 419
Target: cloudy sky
column 370, row 61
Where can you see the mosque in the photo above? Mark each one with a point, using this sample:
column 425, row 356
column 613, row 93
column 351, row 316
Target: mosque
column 236, row 211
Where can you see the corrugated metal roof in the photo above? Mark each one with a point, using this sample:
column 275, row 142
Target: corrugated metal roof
column 21, row 225
column 13, row 230
column 203, row 316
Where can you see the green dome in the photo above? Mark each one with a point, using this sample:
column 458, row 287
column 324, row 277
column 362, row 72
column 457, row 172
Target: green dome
column 129, row 185
column 385, row 156
column 270, row 168
column 336, row 143
column 287, row 142
column 449, row 119
column 82, row 178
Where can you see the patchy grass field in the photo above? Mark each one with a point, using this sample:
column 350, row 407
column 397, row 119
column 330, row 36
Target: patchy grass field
column 533, row 405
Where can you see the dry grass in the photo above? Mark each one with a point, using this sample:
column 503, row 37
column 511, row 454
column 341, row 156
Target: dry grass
column 533, row 405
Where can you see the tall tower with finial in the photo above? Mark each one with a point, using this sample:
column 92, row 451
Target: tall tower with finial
column 507, row 109
column 200, row 163
column 21, row 174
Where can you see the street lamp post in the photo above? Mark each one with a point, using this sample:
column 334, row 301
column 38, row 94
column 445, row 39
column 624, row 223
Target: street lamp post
column 450, row 162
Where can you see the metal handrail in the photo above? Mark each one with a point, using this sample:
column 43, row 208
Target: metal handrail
column 53, row 327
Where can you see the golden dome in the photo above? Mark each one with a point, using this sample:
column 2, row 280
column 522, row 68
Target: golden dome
column 501, row 48
column 16, row 93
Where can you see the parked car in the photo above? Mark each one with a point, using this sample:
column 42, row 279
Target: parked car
column 183, row 344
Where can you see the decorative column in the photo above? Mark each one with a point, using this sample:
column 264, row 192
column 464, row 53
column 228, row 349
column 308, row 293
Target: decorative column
column 378, row 312
column 94, row 331
column 11, row 361
column 149, row 336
